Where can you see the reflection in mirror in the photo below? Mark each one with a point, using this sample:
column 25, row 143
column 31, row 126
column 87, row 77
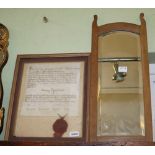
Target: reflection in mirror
column 120, row 88
column 119, row 44
column 4, row 35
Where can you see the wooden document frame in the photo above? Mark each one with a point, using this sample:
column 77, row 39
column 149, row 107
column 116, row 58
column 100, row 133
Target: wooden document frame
column 42, row 80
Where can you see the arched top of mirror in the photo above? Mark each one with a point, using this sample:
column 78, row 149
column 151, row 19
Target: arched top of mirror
column 118, row 39
column 119, row 44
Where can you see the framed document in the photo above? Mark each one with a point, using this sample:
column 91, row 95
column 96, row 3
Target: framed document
column 49, row 98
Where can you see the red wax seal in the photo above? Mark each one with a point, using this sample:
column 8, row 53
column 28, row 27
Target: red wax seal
column 59, row 127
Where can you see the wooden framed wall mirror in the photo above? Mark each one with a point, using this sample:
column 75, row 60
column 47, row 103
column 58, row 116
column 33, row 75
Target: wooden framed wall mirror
column 120, row 108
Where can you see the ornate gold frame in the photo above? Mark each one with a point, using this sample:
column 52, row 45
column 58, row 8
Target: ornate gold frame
column 4, row 36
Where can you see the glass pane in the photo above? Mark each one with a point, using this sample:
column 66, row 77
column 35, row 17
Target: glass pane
column 120, row 97
column 51, row 100
column 119, row 44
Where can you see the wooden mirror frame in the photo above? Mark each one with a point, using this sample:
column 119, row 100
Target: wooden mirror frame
column 96, row 32
column 4, row 36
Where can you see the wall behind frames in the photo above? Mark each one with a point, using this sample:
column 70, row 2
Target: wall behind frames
column 67, row 30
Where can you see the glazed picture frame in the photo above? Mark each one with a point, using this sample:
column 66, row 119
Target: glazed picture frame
column 49, row 99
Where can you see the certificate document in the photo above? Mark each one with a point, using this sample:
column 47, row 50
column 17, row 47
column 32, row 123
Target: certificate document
column 49, row 91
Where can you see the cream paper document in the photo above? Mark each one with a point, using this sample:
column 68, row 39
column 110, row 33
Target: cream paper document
column 51, row 89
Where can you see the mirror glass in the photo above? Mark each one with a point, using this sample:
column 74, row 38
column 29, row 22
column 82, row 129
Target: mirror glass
column 120, row 87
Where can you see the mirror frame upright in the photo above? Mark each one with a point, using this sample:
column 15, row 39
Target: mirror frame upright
column 96, row 32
